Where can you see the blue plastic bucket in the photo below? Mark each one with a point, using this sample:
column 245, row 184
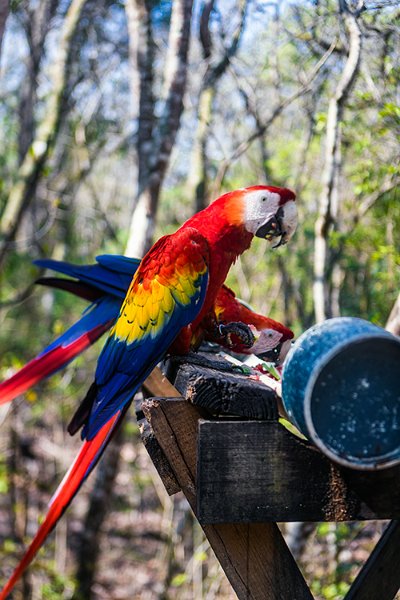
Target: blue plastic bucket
column 341, row 389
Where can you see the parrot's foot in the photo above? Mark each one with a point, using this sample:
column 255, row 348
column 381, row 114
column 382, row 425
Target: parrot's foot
column 240, row 330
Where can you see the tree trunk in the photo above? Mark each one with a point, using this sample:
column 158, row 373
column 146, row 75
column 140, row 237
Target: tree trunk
column 328, row 202
column 156, row 138
column 32, row 165
column 4, row 10
column 143, row 220
column 198, row 175
column 393, row 322
column 142, row 58
column 36, row 23
column 198, row 186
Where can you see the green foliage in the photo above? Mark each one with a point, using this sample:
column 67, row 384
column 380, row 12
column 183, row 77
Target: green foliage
column 179, row 579
column 84, row 201
column 57, row 586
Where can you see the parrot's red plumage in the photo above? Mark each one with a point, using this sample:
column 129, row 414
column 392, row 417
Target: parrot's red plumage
column 49, row 362
column 272, row 339
column 173, row 289
column 82, row 465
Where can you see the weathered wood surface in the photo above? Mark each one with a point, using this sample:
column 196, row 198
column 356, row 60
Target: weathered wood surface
column 379, row 579
column 158, row 457
column 157, row 384
column 226, row 393
column 254, row 556
column 251, row 471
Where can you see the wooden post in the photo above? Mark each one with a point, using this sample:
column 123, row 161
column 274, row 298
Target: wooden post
column 254, row 556
column 379, row 579
column 241, row 476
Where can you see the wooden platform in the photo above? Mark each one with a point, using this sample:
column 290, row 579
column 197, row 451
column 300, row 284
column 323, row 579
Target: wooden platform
column 241, row 476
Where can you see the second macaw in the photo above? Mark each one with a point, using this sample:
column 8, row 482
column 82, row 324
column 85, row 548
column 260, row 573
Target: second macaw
column 173, row 290
column 272, row 340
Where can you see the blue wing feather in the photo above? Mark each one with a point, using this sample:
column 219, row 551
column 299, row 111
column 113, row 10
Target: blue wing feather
column 111, row 274
column 124, row 364
column 103, row 311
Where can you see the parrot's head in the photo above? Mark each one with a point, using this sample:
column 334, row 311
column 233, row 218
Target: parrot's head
column 270, row 213
column 272, row 343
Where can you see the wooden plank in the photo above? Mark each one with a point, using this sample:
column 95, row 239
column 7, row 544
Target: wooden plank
column 158, row 457
column 254, row 556
column 379, row 579
column 226, row 393
column 251, row 471
column 157, row 384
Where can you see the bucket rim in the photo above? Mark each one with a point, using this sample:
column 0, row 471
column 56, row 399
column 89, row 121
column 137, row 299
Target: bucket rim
column 368, row 464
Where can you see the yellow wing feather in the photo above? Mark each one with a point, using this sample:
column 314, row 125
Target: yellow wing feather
column 150, row 301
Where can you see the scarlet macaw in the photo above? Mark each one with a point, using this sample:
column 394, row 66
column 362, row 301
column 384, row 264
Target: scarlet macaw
column 112, row 276
column 106, row 284
column 172, row 291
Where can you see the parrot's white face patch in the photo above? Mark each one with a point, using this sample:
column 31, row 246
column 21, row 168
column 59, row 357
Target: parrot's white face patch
column 265, row 217
column 267, row 340
column 260, row 206
column 289, row 219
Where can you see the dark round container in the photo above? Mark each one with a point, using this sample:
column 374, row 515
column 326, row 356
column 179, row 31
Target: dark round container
column 341, row 388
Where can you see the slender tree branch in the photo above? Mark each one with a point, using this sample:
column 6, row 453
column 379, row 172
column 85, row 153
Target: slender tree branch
column 216, row 71
column 198, row 176
column 368, row 201
column 18, row 298
column 361, row 208
column 261, row 130
column 204, row 29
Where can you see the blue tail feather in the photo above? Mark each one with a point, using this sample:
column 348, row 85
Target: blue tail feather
column 111, row 274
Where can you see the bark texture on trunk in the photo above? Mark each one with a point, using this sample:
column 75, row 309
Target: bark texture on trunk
column 156, row 134
column 198, row 182
column 328, row 202
column 35, row 158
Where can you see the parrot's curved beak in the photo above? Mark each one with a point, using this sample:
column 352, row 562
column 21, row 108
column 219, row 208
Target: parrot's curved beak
column 281, row 225
column 271, row 355
column 278, row 354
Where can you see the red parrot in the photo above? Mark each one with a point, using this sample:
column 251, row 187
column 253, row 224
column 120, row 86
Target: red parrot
column 105, row 284
column 172, row 291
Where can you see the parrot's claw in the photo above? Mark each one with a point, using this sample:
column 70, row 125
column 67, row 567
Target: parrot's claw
column 240, row 330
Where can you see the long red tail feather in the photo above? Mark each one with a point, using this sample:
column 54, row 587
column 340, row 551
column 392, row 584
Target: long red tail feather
column 76, row 475
column 46, row 364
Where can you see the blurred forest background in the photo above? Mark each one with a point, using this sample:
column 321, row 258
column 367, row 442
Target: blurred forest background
column 118, row 121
